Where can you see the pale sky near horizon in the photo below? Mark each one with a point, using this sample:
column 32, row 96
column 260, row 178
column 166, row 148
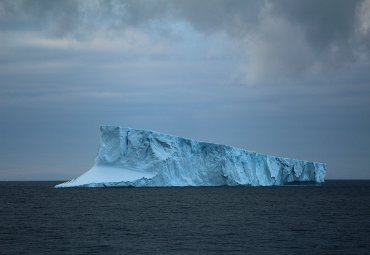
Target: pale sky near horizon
column 288, row 78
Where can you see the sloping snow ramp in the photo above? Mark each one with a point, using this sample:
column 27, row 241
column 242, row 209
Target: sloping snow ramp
column 143, row 158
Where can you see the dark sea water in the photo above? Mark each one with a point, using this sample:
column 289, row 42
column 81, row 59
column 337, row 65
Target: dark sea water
column 36, row 218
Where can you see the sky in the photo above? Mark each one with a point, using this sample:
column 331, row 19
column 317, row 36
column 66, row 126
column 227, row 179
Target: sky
column 289, row 78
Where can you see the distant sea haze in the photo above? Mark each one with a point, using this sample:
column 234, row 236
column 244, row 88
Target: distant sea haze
column 332, row 218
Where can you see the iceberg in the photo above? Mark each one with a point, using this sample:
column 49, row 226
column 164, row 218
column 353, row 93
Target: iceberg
column 130, row 157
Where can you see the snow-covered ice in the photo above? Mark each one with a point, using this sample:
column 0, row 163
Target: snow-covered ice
column 143, row 158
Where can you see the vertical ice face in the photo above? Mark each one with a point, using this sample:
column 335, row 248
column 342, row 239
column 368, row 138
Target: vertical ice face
column 143, row 158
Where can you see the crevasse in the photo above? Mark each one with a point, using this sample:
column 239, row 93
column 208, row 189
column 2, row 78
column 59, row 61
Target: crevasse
column 143, row 158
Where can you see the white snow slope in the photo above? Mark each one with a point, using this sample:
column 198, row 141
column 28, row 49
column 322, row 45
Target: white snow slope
column 143, row 158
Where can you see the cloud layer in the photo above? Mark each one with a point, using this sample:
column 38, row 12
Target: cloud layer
column 279, row 39
column 285, row 77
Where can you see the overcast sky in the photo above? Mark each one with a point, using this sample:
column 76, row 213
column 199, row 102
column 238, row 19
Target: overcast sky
column 288, row 78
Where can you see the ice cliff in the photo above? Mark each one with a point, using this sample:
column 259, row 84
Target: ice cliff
column 143, row 158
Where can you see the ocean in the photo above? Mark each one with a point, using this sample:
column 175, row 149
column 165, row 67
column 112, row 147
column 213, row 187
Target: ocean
column 333, row 218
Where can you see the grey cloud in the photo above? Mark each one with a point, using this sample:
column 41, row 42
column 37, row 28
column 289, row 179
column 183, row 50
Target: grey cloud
column 233, row 17
column 77, row 18
column 282, row 39
column 36, row 15
column 65, row 17
column 324, row 22
column 287, row 39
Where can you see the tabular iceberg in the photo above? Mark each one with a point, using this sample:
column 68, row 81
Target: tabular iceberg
column 143, row 158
